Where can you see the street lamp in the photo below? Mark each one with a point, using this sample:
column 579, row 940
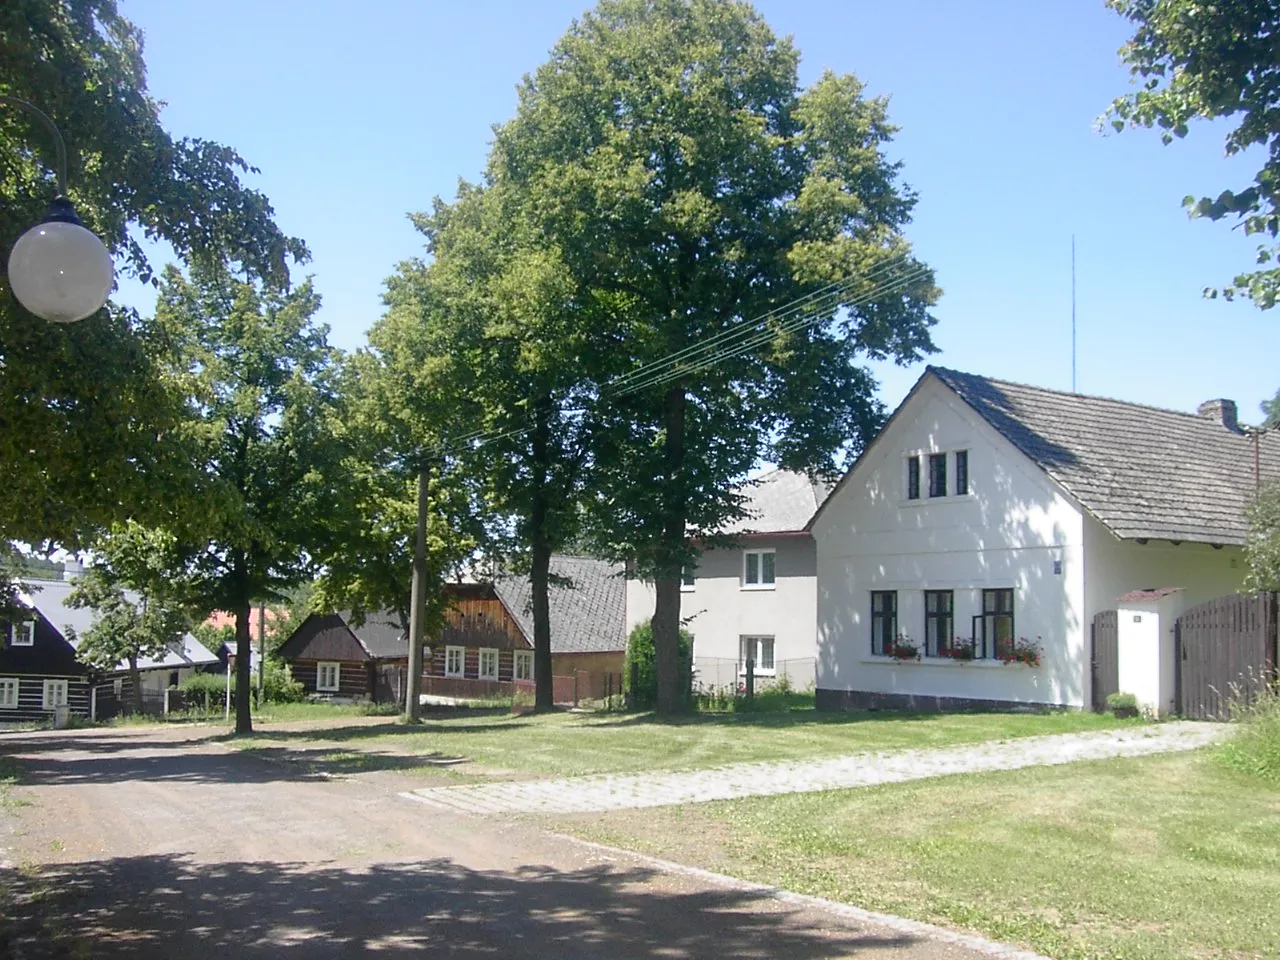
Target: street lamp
column 59, row 270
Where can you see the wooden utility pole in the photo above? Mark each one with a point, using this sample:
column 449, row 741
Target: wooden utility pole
column 262, row 651
column 417, row 600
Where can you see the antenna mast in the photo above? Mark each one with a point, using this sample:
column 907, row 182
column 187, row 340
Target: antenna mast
column 1073, row 313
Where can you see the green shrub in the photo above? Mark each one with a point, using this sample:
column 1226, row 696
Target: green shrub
column 1122, row 701
column 278, row 685
column 640, row 652
column 1255, row 746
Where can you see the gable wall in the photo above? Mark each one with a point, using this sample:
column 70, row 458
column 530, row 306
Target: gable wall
column 50, row 656
column 1006, row 533
column 720, row 611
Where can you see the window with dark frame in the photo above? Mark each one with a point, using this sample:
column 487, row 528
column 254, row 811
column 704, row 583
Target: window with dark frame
column 997, row 622
column 937, row 474
column 939, row 621
column 884, row 621
column 687, row 577
column 962, row 472
column 913, row 478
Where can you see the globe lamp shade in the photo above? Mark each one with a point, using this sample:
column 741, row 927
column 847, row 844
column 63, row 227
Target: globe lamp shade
column 59, row 270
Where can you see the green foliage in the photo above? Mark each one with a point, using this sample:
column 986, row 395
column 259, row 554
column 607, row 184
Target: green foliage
column 641, row 651
column 212, row 684
column 96, row 394
column 1195, row 60
column 278, row 685
column 214, row 638
column 262, row 385
column 682, row 182
column 141, row 624
column 1120, row 701
column 1254, row 747
column 1262, row 543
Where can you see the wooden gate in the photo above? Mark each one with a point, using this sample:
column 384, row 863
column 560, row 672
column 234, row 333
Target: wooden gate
column 1104, row 657
column 1224, row 650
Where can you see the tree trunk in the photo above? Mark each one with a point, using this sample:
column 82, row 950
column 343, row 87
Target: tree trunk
column 666, row 609
column 540, row 562
column 135, row 683
column 417, row 601
column 244, row 644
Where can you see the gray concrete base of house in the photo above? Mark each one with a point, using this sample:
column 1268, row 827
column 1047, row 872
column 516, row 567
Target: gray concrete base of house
column 849, row 700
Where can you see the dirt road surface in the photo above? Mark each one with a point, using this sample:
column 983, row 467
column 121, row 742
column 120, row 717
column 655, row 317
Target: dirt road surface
column 163, row 842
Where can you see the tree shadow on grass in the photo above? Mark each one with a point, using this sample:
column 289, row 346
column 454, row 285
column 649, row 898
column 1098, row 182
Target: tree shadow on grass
column 167, row 906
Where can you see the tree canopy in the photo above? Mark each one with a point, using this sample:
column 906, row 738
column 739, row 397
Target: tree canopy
column 688, row 184
column 139, row 606
column 260, row 378
column 1196, row 60
column 93, row 392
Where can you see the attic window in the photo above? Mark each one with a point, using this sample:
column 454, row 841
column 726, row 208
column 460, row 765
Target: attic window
column 22, row 634
column 937, row 474
column 913, row 478
column 962, row 472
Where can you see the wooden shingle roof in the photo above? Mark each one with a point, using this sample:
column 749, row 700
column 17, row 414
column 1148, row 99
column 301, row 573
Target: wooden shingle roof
column 587, row 617
column 1144, row 472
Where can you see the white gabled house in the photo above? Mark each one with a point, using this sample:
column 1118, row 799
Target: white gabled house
column 754, row 599
column 988, row 511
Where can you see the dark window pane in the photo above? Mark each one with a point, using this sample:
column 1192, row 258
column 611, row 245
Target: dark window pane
column 913, row 478
column 884, row 621
column 937, row 474
column 753, row 568
column 962, row 472
column 766, row 568
column 938, row 630
column 997, row 622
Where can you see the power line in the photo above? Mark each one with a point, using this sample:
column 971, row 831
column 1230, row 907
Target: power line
column 801, row 313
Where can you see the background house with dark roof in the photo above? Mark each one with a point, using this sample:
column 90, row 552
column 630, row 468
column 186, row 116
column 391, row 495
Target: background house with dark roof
column 986, row 511
column 757, row 597
column 39, row 668
column 488, row 636
column 332, row 655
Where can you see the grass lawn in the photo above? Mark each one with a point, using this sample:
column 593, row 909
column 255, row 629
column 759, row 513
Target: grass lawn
column 1139, row 859
column 570, row 744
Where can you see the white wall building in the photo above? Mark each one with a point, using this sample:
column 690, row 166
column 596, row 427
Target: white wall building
column 756, row 598
column 988, row 511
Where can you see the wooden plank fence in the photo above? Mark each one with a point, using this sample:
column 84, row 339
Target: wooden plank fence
column 1224, row 650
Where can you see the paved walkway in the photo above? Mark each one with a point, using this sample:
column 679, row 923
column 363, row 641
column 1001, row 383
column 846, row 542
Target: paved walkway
column 596, row 794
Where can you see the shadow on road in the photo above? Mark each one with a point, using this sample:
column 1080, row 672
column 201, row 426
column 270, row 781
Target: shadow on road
column 257, row 765
column 168, row 906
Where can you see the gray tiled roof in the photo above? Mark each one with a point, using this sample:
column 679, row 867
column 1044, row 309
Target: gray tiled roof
column 380, row 634
column 1142, row 471
column 50, row 598
column 779, row 501
column 589, row 617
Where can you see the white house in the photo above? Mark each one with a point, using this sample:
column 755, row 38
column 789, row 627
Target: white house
column 756, row 598
column 988, row 511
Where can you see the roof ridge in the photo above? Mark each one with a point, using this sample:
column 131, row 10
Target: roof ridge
column 942, row 371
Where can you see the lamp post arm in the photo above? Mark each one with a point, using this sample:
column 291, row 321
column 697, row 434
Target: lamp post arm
column 58, row 142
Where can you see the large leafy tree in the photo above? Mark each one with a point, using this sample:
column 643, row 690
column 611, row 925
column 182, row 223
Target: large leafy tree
column 261, row 379
column 87, row 416
column 1197, row 60
column 505, row 308
column 689, row 185
column 140, row 608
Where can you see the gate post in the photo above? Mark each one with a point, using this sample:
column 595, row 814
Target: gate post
column 1177, row 667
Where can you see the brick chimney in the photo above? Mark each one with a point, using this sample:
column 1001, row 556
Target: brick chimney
column 1220, row 411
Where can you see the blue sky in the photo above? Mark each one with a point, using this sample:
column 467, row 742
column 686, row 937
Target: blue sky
column 358, row 115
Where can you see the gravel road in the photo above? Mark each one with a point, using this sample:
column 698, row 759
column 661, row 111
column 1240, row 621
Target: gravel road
column 150, row 842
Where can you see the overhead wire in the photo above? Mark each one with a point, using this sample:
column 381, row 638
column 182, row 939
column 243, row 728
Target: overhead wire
column 801, row 313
